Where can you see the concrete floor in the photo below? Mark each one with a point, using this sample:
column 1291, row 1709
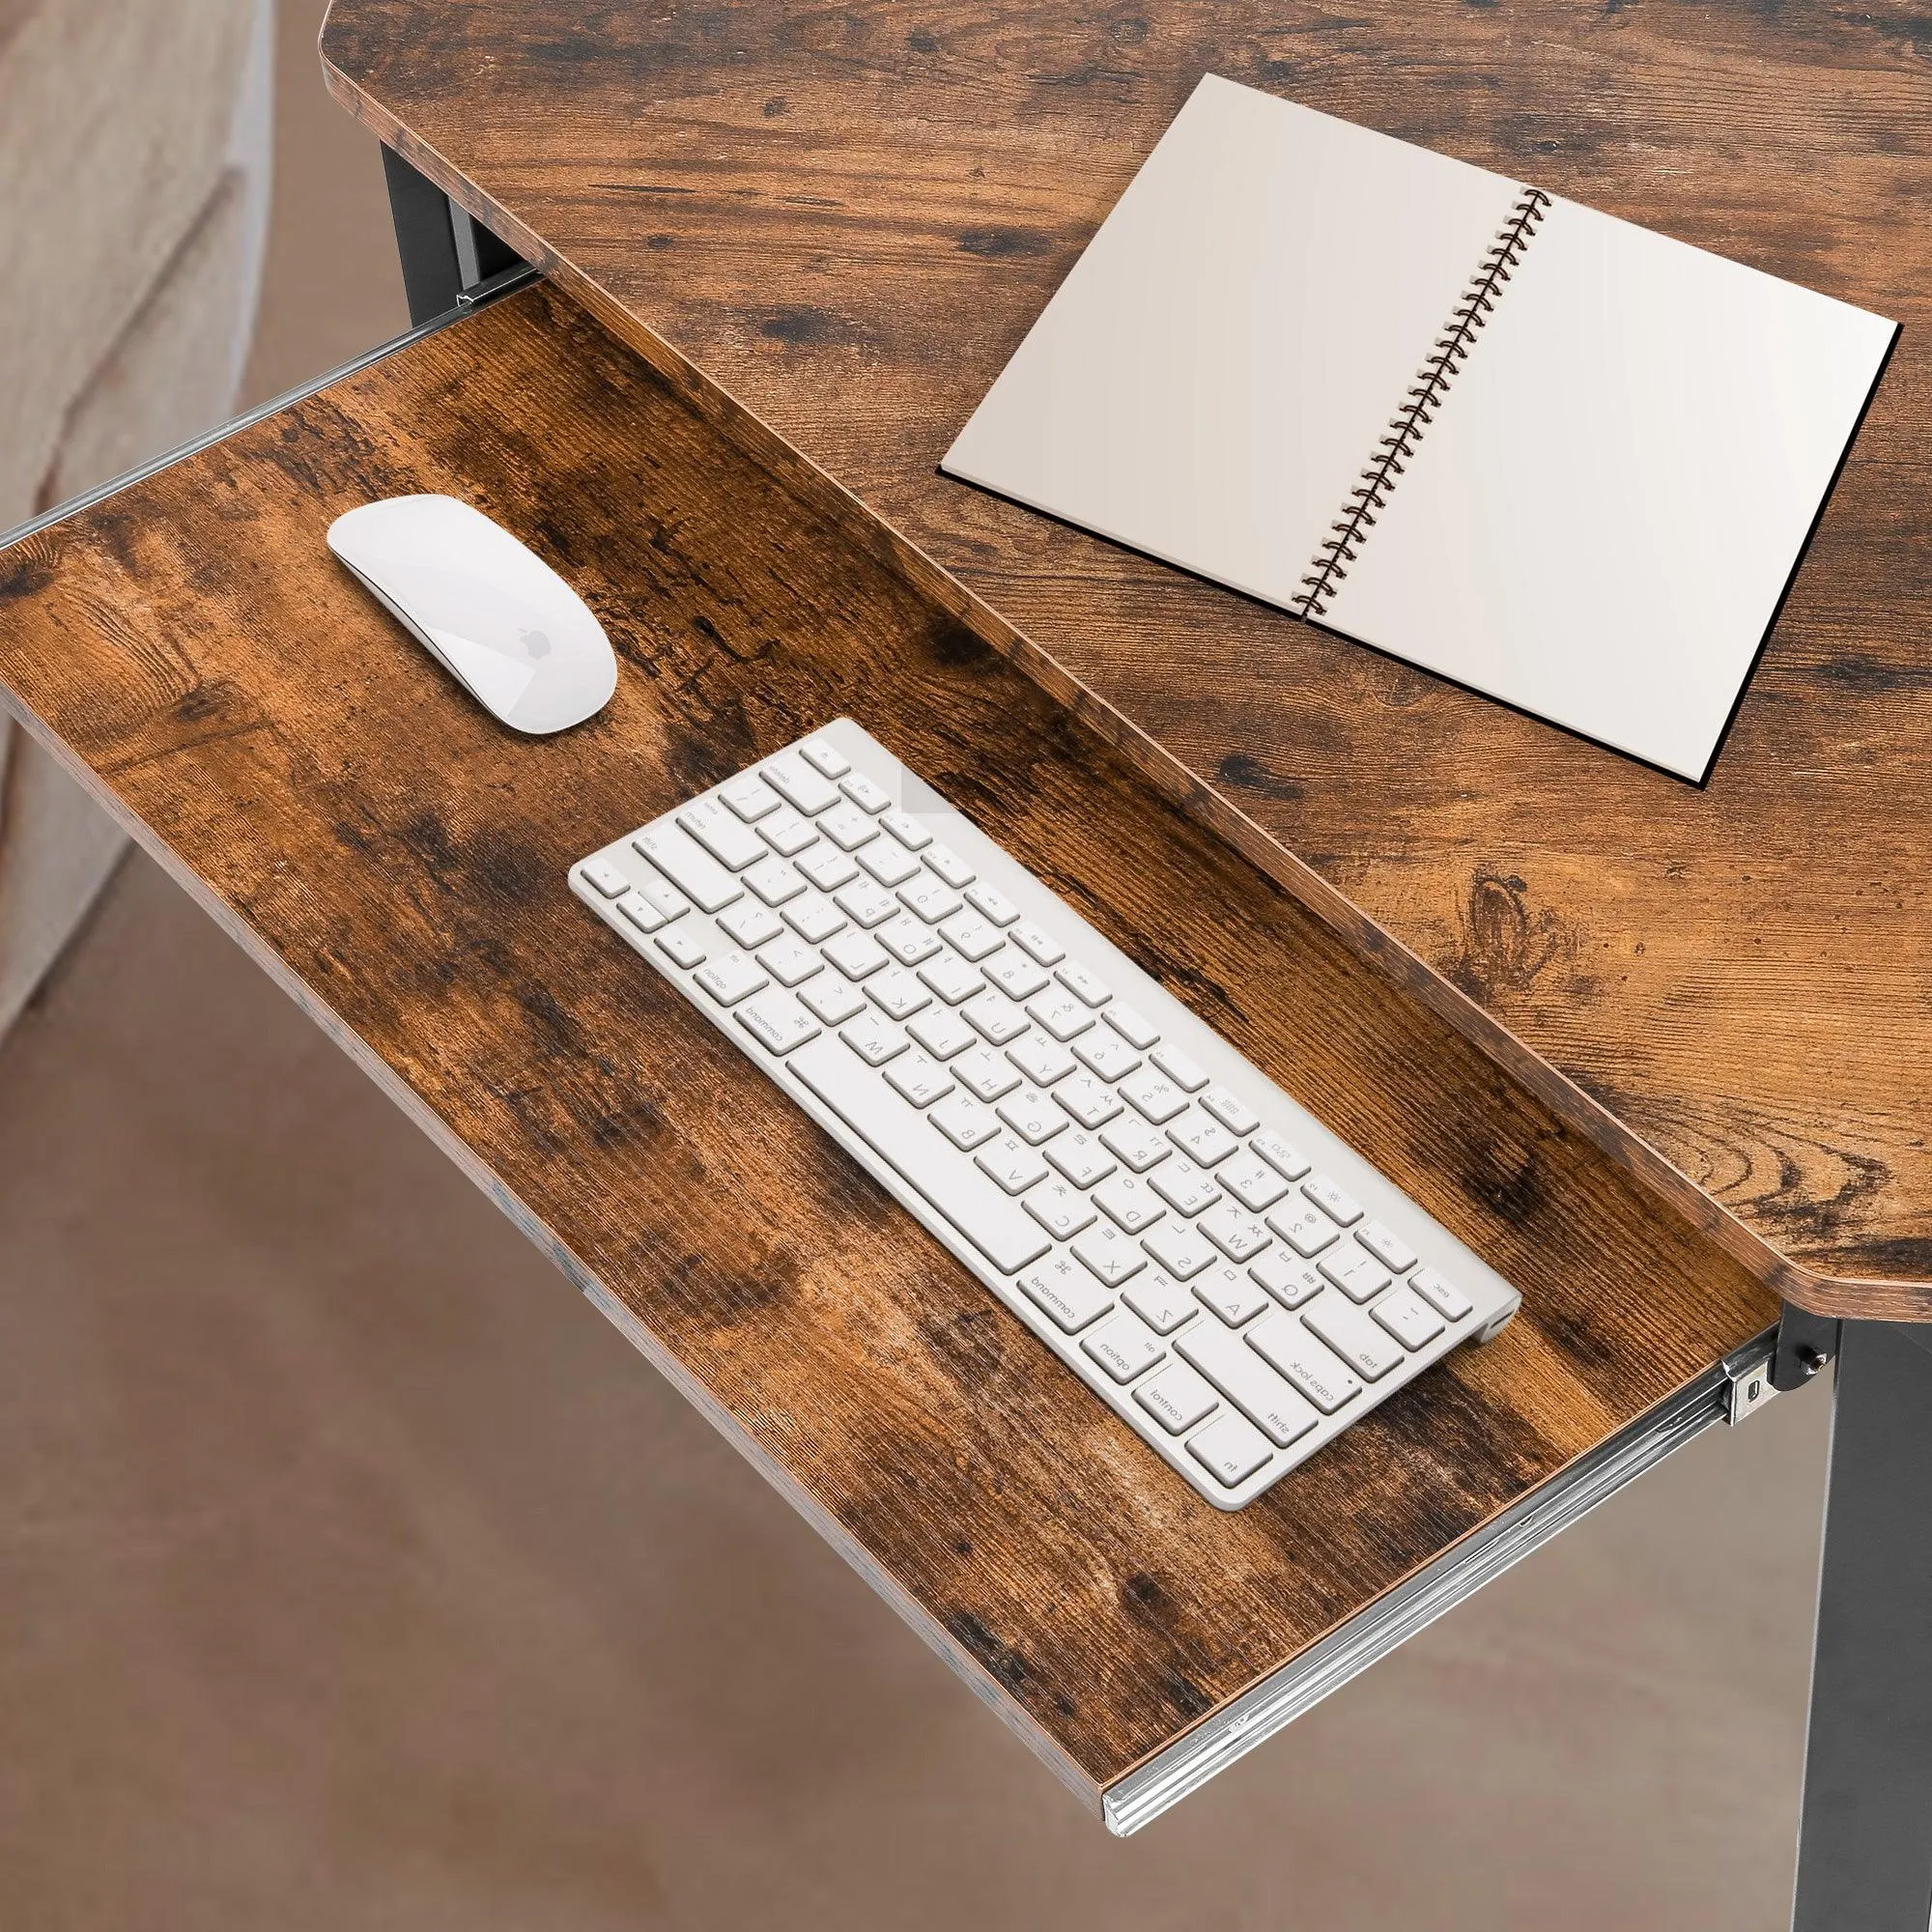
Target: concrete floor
column 355, row 1574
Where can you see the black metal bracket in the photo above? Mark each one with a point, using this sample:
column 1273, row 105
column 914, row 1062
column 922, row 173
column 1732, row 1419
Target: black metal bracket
column 1806, row 1344
column 446, row 253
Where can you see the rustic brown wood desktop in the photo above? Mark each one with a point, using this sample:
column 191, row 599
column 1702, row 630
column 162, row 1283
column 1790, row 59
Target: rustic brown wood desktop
column 1655, row 1052
column 842, row 223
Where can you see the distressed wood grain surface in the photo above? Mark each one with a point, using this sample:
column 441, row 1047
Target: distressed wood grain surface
column 399, row 862
column 840, row 222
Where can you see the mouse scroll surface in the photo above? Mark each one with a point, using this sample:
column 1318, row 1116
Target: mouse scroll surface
column 511, row 631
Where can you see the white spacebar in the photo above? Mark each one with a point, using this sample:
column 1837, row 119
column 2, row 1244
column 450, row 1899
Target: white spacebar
column 904, row 1139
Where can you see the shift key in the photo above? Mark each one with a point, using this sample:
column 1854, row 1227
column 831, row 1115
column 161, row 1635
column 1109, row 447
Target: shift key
column 688, row 865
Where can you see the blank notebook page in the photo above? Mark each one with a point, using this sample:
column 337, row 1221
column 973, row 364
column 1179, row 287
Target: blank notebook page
column 1600, row 522
column 1208, row 379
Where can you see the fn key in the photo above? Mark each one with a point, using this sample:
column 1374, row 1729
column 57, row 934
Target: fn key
column 1230, row 1449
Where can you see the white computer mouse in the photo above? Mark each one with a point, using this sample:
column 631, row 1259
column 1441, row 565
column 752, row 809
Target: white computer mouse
column 514, row 634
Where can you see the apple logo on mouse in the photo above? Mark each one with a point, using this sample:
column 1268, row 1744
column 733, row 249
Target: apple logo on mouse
column 536, row 642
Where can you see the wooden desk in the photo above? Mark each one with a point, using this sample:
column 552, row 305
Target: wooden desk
column 841, row 223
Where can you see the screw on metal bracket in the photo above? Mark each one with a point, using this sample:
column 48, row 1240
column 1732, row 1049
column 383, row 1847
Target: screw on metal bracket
column 1806, row 1344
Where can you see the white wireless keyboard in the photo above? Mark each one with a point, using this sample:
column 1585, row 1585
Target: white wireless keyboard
column 1230, row 1279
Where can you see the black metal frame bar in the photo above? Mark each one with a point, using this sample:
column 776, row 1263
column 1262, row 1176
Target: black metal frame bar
column 1865, row 1842
column 446, row 254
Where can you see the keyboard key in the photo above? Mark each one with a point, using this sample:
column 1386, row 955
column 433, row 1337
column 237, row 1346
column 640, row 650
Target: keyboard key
column 1061, row 1209
column 1160, row 1301
column 1152, row 1095
column 1032, row 1116
column 732, row 977
column 786, row 833
column 1290, row 1282
column 941, row 1031
column 751, row 798
column 907, row 830
column 1011, row 1163
column 772, row 880
column 1363, row 1343
column 1290, row 1161
column 932, row 900
column 890, row 865
column 1185, row 1074
column 1110, row 1255
column 1176, row 1247
column 866, row 905
column 828, row 869
column 1356, row 1272
column 798, row 784
column 950, row 865
column 1407, row 1318
column 640, row 912
column 727, row 839
column 995, row 905
column 998, row 1020
column 776, row 1020
column 1229, row 1450
column 1229, row 1293
column 1136, row 1143
column 1305, row 1229
column 952, row 978
column 1231, row 1110
column 688, row 865
column 964, row 1121
column 855, row 954
column 897, row 993
column 1016, row 975
column 848, row 828
column 1124, row 1346
column 1177, row 1399
column 1332, row 1201
column 750, row 923
column 1008, row 1237
column 1233, row 1230
column 1184, row 1186
column 1231, row 1366
column 1202, row 1139
column 1107, row 1054
column 682, row 946
column 1129, row 1202
column 919, row 1079
column 1080, row 1157
column 790, row 963
column 1069, row 1298
column 864, row 793
column 985, row 1072
column 907, row 940
column 832, row 998
column 814, row 918
column 1388, row 1246
column 1038, row 944
column 1251, row 1180
column 1282, row 1340
column 1041, row 1060
column 605, row 877
column 664, row 897
column 1441, row 1293
column 1131, row 1025
column 872, row 1039
column 971, row 937
column 1061, row 1014
column 823, row 756
column 1083, row 983
column 1090, row 1102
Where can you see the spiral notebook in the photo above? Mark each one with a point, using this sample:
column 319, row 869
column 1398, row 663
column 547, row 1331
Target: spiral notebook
column 1559, row 459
